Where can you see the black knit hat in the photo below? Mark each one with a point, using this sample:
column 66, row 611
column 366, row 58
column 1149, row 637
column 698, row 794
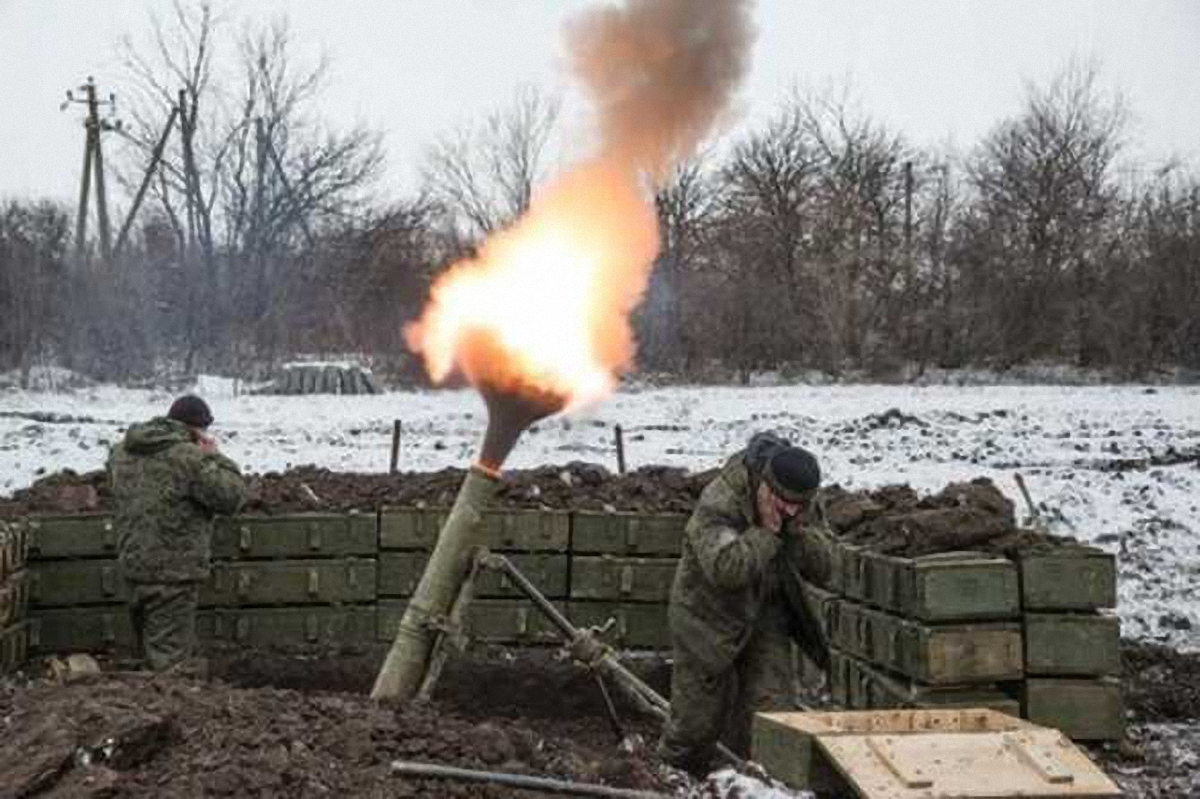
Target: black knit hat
column 791, row 472
column 192, row 411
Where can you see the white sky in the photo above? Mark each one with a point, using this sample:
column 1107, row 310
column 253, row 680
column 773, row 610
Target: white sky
column 939, row 70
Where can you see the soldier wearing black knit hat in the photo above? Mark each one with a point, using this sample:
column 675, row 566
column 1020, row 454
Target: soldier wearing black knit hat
column 730, row 629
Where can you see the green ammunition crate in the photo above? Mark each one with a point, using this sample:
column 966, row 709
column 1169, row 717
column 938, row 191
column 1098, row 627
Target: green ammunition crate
column 858, row 685
column 1068, row 578
column 1072, row 644
column 14, row 598
column 503, row 530
column 92, row 629
column 399, row 573
column 628, row 533
column 618, row 578
column 291, row 582
column 302, row 535
column 74, row 536
column 953, row 586
column 316, row 626
column 90, row 581
column 635, row 626
column 936, row 654
column 500, row 621
column 1085, row 710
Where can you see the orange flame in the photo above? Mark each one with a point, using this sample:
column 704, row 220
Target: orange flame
column 544, row 310
column 545, row 307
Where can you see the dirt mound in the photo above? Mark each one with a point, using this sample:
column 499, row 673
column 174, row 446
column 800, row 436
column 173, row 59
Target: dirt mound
column 1161, row 684
column 573, row 486
column 895, row 520
column 136, row 735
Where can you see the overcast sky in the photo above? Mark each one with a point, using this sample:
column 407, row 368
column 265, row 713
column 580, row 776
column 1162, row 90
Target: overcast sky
column 941, row 71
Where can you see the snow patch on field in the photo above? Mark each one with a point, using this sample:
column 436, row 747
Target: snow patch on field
column 1084, row 451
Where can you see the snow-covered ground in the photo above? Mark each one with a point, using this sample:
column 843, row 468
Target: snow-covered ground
column 1057, row 437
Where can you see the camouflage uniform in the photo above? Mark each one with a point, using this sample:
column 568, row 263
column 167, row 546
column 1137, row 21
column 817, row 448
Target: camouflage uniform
column 729, row 627
column 167, row 491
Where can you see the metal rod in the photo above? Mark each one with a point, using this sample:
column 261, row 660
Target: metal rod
column 1033, row 511
column 545, row 784
column 619, row 435
column 611, row 708
column 395, row 447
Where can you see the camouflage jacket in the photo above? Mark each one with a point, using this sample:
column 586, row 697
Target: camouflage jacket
column 727, row 572
column 166, row 492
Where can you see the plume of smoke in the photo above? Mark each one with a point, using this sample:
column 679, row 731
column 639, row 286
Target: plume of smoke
column 661, row 73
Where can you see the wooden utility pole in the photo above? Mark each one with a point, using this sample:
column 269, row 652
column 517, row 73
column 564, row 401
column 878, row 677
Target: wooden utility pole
column 155, row 158
column 93, row 164
column 908, row 193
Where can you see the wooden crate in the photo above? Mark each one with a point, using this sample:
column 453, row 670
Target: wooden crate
column 937, row 654
column 1072, row 644
column 1068, row 578
column 306, row 535
column 657, row 534
column 400, row 572
column 1084, row 709
column 621, row 578
column 501, row 530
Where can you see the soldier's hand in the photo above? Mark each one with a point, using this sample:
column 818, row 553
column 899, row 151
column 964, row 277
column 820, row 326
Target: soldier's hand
column 207, row 444
column 768, row 512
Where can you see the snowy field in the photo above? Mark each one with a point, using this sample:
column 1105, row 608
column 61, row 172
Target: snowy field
column 1083, row 450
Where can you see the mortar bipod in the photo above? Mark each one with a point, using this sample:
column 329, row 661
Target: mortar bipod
column 585, row 647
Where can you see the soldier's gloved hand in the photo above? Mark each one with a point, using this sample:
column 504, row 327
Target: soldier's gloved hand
column 207, row 444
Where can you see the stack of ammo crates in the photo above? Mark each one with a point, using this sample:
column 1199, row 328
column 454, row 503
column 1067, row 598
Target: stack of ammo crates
column 1024, row 637
column 537, row 542
column 14, row 595
column 276, row 581
column 622, row 567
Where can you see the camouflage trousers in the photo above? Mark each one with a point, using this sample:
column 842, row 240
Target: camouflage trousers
column 163, row 616
column 707, row 708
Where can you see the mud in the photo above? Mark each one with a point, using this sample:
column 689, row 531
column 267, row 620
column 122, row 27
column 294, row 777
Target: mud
column 131, row 734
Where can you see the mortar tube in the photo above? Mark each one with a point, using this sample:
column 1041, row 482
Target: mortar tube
column 408, row 658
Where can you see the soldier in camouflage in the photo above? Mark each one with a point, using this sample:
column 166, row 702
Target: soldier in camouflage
column 168, row 481
column 729, row 626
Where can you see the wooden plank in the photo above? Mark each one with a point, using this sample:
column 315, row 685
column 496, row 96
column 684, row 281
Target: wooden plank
column 620, row 578
column 1085, row 710
column 1072, row 644
column 502, row 530
column 317, row 626
column 791, row 755
column 399, row 573
column 937, row 654
column 291, row 582
column 296, row 535
column 635, row 626
column 1068, row 578
column 628, row 533
column 506, row 621
column 71, row 536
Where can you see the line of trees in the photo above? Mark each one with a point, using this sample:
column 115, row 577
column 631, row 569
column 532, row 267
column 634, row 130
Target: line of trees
column 823, row 240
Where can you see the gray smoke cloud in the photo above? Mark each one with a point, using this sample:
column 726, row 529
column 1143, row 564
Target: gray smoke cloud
column 661, row 73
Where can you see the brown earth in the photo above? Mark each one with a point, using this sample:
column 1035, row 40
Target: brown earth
column 131, row 734
column 893, row 519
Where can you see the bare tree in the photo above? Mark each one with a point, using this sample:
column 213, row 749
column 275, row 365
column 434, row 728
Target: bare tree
column 485, row 174
column 1045, row 200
